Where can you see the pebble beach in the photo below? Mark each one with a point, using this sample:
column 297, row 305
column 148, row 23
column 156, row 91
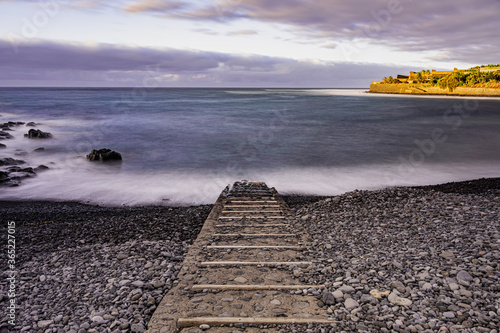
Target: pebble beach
column 408, row 259
column 85, row 268
column 422, row 259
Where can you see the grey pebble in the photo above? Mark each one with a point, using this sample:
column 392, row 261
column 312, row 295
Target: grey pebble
column 328, row 298
column 350, row 304
column 464, row 276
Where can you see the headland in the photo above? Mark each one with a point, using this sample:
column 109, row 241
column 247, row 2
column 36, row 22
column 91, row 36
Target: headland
column 476, row 81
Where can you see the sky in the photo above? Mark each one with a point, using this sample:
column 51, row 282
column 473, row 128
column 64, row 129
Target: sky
column 240, row 43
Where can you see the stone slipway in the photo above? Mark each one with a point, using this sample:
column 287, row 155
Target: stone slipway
column 240, row 270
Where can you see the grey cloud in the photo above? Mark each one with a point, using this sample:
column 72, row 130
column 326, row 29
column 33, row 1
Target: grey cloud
column 458, row 30
column 454, row 26
column 45, row 63
column 59, row 56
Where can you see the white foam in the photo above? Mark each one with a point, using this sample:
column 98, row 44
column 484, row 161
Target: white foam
column 108, row 185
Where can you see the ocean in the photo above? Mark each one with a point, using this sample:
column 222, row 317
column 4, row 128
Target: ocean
column 183, row 146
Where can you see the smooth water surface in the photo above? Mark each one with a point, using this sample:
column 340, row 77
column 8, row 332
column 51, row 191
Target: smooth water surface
column 183, row 146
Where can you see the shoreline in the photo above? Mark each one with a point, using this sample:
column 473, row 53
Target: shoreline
column 87, row 267
column 430, row 94
column 422, row 89
column 477, row 185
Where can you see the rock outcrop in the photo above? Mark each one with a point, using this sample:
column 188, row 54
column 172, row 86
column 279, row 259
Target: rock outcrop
column 7, row 126
column 13, row 175
column 10, row 161
column 37, row 134
column 104, row 155
column 4, row 135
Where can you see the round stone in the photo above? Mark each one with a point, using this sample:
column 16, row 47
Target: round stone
column 346, row 289
column 350, row 304
column 328, row 298
column 275, row 302
column 395, row 299
column 379, row 294
column 464, row 276
column 240, row 279
column 44, row 323
column 300, row 305
column 447, row 255
column 426, row 286
column 121, row 256
column 338, row 294
column 448, row 315
column 138, row 284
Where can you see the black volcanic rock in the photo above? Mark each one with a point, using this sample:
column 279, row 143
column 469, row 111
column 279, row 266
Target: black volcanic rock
column 37, row 134
column 10, row 161
column 5, row 135
column 6, row 126
column 14, row 175
column 4, row 176
column 41, row 167
column 104, row 155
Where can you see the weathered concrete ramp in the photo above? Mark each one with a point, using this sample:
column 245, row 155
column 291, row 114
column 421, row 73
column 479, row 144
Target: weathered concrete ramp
column 240, row 270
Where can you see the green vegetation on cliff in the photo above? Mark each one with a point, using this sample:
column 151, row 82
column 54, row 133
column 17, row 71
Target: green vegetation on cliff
column 485, row 76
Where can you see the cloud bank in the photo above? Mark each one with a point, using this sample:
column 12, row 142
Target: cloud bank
column 454, row 30
column 451, row 28
column 441, row 31
column 45, row 63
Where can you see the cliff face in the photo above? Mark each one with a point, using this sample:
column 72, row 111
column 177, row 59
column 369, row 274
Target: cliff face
column 420, row 89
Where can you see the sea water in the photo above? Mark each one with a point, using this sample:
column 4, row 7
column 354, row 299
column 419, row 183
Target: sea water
column 183, row 146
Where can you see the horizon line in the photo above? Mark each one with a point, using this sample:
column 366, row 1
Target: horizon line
column 180, row 87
